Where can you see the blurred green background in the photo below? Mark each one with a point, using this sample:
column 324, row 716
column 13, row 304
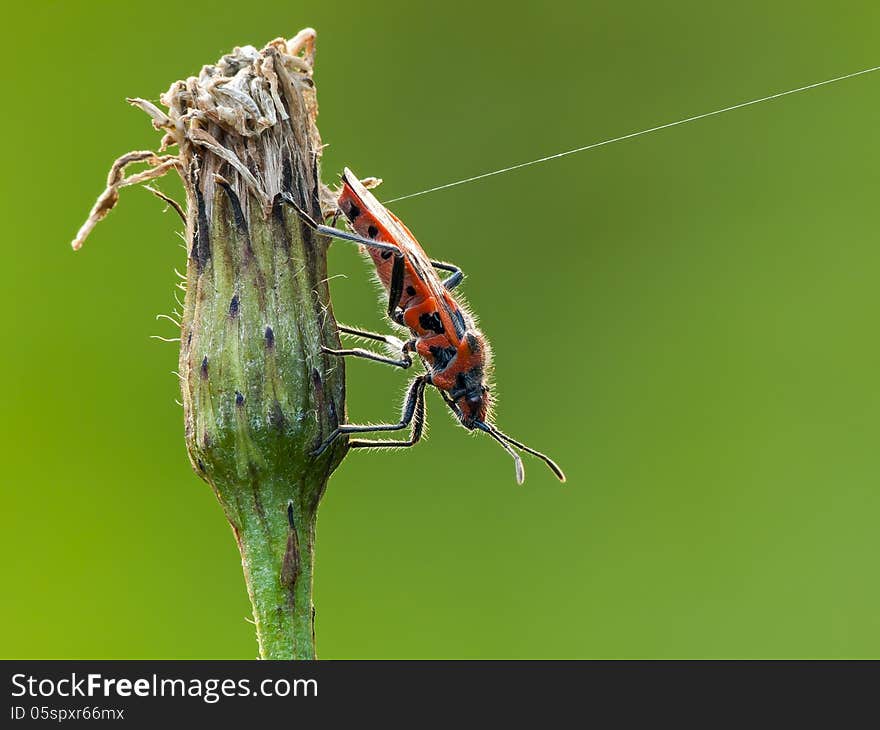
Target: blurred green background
column 686, row 321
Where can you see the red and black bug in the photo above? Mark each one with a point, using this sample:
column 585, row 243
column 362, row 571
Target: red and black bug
column 443, row 334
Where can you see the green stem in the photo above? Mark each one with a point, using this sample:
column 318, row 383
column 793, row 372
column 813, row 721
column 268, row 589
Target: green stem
column 276, row 537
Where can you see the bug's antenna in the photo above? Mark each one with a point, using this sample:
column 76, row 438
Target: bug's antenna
column 501, row 438
column 520, row 471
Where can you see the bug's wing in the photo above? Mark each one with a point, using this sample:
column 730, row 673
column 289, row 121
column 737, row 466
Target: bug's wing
column 399, row 232
column 450, row 312
column 403, row 238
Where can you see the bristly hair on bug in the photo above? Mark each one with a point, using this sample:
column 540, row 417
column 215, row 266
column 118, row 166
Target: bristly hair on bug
column 442, row 331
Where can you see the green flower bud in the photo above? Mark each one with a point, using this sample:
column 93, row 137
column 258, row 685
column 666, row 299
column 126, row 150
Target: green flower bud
column 259, row 394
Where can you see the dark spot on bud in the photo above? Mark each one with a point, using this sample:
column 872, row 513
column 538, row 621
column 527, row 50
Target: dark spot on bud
column 290, row 561
column 372, row 231
column 318, row 392
column 189, row 338
column 270, row 338
column 276, row 416
column 286, row 175
column 239, row 399
column 282, row 235
column 205, row 367
column 233, row 306
column 201, row 465
column 237, row 213
column 201, row 250
column 411, row 290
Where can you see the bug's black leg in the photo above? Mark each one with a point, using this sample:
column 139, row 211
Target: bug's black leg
column 404, row 362
column 457, row 274
column 398, row 345
column 337, row 232
column 387, row 339
column 414, row 395
column 395, row 289
column 418, row 426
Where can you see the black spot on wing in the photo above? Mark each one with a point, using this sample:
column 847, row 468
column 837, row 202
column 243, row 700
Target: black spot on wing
column 386, row 255
column 372, row 231
column 411, row 290
column 353, row 211
column 432, row 322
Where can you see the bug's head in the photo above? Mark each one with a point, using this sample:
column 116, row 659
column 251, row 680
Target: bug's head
column 474, row 405
column 471, row 397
